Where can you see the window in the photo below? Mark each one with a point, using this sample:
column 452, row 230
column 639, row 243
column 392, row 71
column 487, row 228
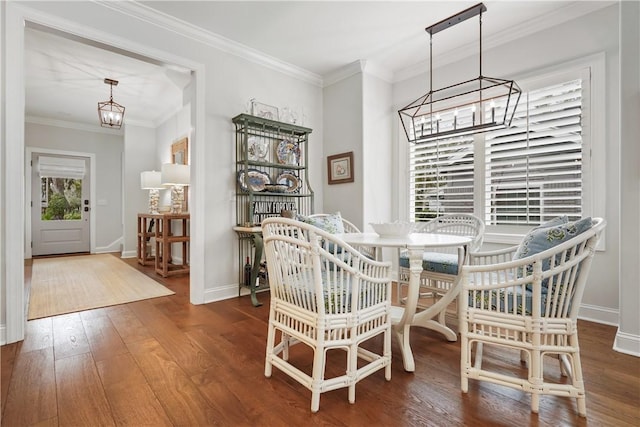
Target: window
column 528, row 173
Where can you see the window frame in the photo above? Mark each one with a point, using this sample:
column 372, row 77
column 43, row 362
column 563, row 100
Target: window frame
column 592, row 71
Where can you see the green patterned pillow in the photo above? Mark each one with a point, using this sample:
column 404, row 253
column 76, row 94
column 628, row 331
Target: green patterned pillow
column 331, row 223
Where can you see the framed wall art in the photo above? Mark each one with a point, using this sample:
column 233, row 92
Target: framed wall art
column 340, row 168
column 265, row 111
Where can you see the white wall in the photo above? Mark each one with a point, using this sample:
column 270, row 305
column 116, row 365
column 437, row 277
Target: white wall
column 628, row 337
column 139, row 155
column 377, row 152
column 107, row 149
column 343, row 132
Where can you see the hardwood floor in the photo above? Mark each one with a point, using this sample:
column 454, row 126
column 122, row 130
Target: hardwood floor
column 166, row 362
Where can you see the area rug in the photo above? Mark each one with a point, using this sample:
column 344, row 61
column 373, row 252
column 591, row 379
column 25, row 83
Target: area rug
column 68, row 284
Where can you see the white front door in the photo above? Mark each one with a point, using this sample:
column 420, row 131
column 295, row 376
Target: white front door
column 60, row 204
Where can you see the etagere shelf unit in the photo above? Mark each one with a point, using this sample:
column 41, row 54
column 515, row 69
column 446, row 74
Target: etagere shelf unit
column 271, row 176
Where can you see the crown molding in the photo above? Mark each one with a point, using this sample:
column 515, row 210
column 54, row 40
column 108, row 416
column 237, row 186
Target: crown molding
column 568, row 12
column 360, row 66
column 46, row 121
column 168, row 22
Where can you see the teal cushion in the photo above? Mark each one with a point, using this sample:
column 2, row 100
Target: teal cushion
column 436, row 262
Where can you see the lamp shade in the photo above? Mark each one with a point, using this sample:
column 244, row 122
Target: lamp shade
column 173, row 174
column 151, row 180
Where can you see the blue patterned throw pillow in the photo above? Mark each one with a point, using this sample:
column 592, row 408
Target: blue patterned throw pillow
column 542, row 238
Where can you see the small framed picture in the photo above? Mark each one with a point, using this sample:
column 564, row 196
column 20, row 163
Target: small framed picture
column 265, row 111
column 340, row 168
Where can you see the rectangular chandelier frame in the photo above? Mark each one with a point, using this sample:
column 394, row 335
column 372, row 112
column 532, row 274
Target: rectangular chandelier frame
column 476, row 105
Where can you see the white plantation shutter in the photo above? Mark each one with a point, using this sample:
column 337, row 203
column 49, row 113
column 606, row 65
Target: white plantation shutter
column 534, row 168
column 531, row 171
column 441, row 177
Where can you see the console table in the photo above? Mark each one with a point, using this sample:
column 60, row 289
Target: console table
column 161, row 227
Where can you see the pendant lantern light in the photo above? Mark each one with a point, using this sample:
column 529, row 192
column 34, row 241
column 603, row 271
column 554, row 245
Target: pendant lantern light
column 111, row 113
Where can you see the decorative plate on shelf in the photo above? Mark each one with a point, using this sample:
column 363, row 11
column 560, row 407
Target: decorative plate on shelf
column 288, row 152
column 291, row 180
column 253, row 179
column 257, row 148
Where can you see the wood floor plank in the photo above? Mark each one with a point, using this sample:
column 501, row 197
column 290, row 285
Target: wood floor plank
column 81, row 396
column 38, row 334
column 187, row 354
column 7, row 359
column 132, row 401
column 103, row 337
column 31, row 397
column 69, row 338
column 127, row 324
column 183, row 403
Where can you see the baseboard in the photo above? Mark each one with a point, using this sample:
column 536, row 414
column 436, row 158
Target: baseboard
column 627, row 343
column 3, row 334
column 598, row 314
column 112, row 247
column 221, row 293
column 129, row 254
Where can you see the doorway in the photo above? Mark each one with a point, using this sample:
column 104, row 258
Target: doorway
column 17, row 248
column 60, row 204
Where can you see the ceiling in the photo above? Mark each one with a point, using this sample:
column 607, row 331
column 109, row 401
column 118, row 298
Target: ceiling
column 64, row 74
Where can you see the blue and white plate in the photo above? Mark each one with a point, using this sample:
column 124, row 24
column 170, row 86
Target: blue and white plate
column 288, row 152
column 291, row 180
column 253, row 180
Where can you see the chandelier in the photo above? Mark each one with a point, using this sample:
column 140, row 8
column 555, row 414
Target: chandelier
column 472, row 106
column 111, row 113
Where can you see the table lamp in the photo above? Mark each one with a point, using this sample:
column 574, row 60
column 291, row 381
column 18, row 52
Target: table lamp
column 150, row 180
column 176, row 176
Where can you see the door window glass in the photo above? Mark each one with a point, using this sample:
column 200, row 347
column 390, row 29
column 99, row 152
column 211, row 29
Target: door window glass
column 61, row 199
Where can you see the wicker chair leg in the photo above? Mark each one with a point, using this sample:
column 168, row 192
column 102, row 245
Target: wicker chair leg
column 386, row 351
column 268, row 367
column 317, row 375
column 477, row 363
column 352, row 371
column 535, row 379
column 576, row 376
column 286, row 339
column 465, row 364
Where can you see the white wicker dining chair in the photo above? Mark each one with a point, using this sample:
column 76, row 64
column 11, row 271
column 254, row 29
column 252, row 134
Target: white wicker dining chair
column 440, row 266
column 329, row 296
column 528, row 304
